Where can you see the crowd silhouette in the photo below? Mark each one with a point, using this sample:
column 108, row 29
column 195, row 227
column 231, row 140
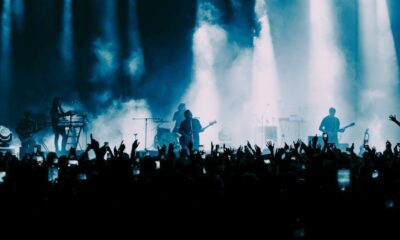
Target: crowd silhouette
column 292, row 192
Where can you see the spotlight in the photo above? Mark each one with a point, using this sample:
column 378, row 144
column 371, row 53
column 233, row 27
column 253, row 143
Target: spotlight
column 5, row 136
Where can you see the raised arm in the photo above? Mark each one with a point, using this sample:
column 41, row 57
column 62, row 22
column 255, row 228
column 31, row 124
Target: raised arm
column 394, row 119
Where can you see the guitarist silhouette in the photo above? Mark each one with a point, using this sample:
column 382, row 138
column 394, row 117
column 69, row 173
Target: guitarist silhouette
column 190, row 130
column 331, row 125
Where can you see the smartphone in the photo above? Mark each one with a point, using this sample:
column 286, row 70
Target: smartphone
column 220, row 150
column 39, row 160
column 2, row 176
column 325, row 136
column 73, row 163
column 82, row 176
column 35, row 149
column 343, row 178
column 91, row 154
column 53, row 174
column 135, row 171
column 157, row 164
column 375, row 174
column 106, row 144
column 366, row 137
column 267, row 161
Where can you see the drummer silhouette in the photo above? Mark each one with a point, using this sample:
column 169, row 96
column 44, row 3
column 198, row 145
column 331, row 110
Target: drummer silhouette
column 178, row 117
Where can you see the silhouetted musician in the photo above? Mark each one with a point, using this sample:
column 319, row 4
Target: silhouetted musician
column 331, row 125
column 179, row 116
column 57, row 114
column 190, row 130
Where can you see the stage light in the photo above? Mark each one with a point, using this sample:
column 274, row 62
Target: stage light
column 202, row 97
column 134, row 65
column 106, row 46
column 265, row 88
column 67, row 32
column 5, row 136
column 5, row 50
column 380, row 72
column 326, row 65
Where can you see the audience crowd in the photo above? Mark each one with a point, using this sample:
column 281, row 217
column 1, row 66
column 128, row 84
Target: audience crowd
column 301, row 191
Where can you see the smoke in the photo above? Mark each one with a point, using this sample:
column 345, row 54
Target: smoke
column 18, row 10
column 379, row 92
column 5, row 38
column 116, row 123
column 265, row 88
column 202, row 96
column 236, row 85
column 113, row 124
column 5, row 55
column 326, row 73
column 134, row 65
column 106, row 47
column 107, row 60
column 67, row 33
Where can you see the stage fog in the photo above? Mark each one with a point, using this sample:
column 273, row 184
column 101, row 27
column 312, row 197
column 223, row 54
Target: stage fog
column 259, row 70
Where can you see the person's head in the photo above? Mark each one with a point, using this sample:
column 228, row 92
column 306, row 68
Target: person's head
column 56, row 101
column 188, row 114
column 332, row 112
column 182, row 107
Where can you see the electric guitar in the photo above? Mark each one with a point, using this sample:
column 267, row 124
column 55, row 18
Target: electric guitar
column 184, row 139
column 347, row 126
column 333, row 135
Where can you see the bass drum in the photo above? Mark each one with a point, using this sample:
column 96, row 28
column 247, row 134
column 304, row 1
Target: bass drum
column 165, row 139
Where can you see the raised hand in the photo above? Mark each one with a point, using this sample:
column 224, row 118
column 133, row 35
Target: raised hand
column 121, row 147
column 258, row 150
column 250, row 148
column 314, row 141
column 162, row 150
column 396, row 149
column 270, row 146
column 135, row 144
column 297, row 144
column 286, row 147
column 388, row 145
column 351, row 148
column 394, row 119
column 94, row 144
column 170, row 148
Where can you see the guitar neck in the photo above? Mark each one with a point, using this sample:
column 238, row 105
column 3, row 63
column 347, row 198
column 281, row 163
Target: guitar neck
column 348, row 126
column 209, row 125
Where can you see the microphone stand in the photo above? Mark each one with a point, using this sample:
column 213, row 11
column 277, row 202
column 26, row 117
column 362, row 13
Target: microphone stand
column 145, row 130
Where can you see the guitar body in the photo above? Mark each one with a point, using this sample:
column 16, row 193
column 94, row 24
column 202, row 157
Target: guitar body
column 184, row 139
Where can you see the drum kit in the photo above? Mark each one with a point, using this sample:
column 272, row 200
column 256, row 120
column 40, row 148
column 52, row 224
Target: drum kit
column 164, row 136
